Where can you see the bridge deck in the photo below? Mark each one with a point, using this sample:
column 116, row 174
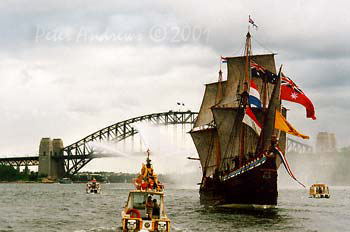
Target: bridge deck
column 20, row 161
column 78, row 154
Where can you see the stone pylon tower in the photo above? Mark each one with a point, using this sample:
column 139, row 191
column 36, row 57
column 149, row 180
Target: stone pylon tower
column 49, row 163
column 332, row 142
column 326, row 142
column 58, row 164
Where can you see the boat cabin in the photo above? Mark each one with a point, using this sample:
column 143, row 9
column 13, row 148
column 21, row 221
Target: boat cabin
column 319, row 191
column 65, row 181
column 93, row 187
column 144, row 211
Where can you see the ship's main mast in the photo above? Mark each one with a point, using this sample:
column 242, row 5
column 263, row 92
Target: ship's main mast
column 244, row 95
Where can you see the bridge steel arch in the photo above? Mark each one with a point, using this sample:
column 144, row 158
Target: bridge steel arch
column 78, row 154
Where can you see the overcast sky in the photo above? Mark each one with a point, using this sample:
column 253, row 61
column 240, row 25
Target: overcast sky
column 64, row 75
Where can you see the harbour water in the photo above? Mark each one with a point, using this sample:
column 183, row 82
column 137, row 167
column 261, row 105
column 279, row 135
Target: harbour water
column 66, row 207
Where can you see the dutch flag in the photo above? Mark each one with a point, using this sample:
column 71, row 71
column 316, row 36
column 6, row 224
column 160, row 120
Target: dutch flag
column 250, row 119
column 254, row 95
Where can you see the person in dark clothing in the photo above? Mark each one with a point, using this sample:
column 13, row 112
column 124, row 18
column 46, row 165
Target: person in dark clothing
column 156, row 209
column 149, row 207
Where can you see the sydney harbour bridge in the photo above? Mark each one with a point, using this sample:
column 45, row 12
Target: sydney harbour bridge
column 58, row 161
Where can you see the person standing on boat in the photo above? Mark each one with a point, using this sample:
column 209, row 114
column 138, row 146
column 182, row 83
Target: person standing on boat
column 156, row 209
column 148, row 171
column 149, row 207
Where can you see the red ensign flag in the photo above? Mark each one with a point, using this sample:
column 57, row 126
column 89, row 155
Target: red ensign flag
column 291, row 92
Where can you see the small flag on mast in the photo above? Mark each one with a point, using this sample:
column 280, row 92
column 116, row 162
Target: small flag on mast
column 252, row 22
column 223, row 59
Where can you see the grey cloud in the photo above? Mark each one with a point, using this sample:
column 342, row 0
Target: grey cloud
column 91, row 84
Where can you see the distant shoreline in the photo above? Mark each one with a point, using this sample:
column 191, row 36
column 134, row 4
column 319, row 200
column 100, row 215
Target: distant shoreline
column 39, row 182
column 18, row 182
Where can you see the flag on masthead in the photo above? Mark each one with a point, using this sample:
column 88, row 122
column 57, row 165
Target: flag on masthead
column 252, row 22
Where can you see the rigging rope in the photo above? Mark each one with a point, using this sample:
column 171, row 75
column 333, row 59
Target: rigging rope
column 240, row 50
column 266, row 48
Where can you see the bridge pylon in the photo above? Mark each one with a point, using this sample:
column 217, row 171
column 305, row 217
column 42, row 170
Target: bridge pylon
column 50, row 164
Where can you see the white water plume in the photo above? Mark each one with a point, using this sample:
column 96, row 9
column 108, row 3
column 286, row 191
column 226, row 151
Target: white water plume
column 114, row 159
column 169, row 152
column 109, row 149
column 169, row 148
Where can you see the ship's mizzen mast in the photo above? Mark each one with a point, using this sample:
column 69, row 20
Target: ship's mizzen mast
column 219, row 90
column 216, row 138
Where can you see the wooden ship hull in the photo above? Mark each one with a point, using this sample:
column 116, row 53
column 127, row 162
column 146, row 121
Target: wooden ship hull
column 256, row 187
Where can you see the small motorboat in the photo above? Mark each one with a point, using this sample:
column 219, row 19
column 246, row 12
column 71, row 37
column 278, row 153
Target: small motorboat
column 93, row 187
column 319, row 191
column 48, row 180
column 65, row 181
column 144, row 210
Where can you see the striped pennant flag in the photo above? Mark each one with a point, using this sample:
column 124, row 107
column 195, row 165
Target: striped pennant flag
column 286, row 165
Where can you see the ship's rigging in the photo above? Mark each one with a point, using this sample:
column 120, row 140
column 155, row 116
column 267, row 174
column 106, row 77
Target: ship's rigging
column 237, row 141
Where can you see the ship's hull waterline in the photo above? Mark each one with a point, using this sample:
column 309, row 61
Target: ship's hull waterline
column 255, row 188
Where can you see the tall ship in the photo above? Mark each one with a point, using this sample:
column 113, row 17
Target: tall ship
column 240, row 132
